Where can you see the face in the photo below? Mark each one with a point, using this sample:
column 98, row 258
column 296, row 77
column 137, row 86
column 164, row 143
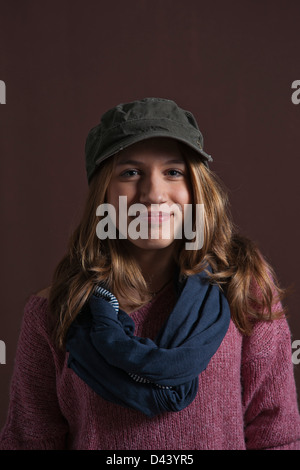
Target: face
column 154, row 178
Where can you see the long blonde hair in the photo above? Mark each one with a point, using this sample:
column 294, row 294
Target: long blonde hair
column 236, row 261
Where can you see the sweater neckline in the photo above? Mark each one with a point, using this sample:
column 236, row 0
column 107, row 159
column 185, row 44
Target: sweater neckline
column 168, row 287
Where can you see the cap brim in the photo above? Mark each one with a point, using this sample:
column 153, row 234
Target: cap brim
column 139, row 138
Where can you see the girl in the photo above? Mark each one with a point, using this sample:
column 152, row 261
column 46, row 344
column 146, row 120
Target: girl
column 146, row 341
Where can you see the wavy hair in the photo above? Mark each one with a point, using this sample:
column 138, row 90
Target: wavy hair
column 237, row 264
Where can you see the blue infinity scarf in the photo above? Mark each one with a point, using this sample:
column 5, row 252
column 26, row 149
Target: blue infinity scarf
column 150, row 376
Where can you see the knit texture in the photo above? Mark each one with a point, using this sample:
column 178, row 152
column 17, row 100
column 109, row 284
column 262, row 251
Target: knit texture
column 246, row 397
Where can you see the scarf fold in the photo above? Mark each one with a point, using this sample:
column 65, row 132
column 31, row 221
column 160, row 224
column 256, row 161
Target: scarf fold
column 150, row 376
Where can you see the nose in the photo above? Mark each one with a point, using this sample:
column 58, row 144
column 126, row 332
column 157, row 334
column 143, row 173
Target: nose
column 153, row 190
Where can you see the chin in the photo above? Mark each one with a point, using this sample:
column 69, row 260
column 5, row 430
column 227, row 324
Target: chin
column 152, row 244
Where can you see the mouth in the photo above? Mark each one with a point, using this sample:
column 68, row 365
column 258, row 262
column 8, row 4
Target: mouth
column 156, row 217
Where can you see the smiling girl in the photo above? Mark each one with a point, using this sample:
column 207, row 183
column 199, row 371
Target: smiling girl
column 141, row 343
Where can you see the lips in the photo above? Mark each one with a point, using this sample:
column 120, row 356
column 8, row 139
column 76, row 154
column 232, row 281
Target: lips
column 156, row 216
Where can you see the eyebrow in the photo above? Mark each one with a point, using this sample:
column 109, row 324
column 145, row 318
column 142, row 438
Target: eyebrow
column 136, row 162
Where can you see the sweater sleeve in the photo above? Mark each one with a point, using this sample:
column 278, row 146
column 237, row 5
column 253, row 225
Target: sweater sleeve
column 34, row 420
column 271, row 413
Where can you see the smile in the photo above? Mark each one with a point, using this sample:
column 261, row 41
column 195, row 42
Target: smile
column 156, row 217
column 143, row 218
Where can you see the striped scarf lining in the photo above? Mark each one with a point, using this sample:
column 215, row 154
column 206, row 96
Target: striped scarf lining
column 113, row 301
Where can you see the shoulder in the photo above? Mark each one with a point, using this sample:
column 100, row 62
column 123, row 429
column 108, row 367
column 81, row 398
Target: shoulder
column 44, row 293
column 268, row 339
column 36, row 314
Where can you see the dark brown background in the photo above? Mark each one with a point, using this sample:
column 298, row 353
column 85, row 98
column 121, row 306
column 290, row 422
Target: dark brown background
column 65, row 62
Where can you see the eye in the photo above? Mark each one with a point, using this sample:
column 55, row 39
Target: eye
column 175, row 173
column 129, row 173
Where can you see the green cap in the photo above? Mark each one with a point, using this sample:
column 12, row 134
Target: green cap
column 133, row 122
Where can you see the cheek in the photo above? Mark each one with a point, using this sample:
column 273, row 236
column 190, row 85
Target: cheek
column 183, row 195
column 115, row 190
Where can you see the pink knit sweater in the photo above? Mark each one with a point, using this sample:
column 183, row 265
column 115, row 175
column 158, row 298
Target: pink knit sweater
column 246, row 397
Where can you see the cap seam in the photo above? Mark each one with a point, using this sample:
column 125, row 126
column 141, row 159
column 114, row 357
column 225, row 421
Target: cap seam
column 152, row 119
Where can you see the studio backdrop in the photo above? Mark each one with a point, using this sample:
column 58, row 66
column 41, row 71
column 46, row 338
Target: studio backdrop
column 234, row 64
